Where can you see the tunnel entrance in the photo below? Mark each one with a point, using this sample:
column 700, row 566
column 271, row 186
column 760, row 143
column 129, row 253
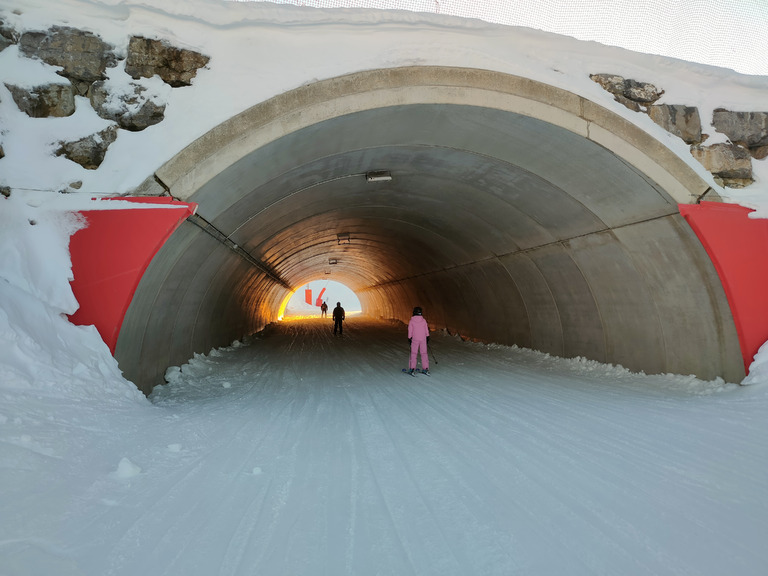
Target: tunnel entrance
column 514, row 211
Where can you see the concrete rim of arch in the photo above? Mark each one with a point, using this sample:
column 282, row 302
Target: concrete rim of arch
column 213, row 152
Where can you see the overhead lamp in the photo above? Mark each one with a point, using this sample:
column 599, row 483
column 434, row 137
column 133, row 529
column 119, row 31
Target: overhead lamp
column 332, row 261
column 343, row 238
column 378, row 176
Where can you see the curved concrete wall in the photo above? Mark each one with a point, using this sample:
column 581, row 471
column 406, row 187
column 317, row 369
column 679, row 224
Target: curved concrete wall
column 517, row 213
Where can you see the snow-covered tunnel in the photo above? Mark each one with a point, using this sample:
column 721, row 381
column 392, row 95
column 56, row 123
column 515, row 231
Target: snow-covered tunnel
column 510, row 210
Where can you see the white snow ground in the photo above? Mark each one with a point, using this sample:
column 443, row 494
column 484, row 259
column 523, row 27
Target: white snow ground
column 305, row 453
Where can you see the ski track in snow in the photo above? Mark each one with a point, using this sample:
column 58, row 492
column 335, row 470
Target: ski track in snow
column 305, row 453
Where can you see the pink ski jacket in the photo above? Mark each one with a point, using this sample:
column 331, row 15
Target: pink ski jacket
column 418, row 329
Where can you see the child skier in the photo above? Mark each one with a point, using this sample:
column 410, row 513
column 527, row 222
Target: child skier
column 418, row 336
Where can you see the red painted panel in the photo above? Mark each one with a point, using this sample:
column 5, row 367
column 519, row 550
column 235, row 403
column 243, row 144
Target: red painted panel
column 319, row 300
column 110, row 256
column 738, row 247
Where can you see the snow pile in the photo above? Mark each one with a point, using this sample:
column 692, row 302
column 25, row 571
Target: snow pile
column 201, row 376
column 663, row 28
column 581, row 367
column 121, row 91
column 126, row 469
column 758, row 370
column 40, row 349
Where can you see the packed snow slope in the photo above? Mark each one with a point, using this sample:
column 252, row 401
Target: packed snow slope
column 303, row 453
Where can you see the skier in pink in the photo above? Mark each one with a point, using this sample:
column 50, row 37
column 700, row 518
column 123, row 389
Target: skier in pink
column 418, row 336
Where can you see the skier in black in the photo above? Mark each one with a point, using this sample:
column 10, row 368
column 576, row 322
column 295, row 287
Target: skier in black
column 338, row 318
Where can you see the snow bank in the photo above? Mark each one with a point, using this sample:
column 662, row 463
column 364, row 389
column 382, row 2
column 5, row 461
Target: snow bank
column 615, row 373
column 758, row 370
column 126, row 469
column 40, row 350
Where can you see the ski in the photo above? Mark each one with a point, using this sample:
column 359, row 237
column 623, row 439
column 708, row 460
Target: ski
column 406, row 371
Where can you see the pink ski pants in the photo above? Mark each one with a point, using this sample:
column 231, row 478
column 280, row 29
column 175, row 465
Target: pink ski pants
column 419, row 346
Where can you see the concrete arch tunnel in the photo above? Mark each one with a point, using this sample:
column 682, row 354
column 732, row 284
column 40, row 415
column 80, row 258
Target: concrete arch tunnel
column 516, row 213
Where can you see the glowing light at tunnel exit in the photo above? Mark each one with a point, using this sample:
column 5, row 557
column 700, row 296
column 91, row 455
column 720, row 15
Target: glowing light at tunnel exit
column 283, row 304
column 304, row 302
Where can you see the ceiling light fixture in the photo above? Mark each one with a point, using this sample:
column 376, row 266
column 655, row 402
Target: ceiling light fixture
column 332, row 261
column 343, row 238
column 378, row 176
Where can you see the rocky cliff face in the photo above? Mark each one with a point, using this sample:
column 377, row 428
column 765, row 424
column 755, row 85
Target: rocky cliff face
column 177, row 67
column 83, row 59
column 746, row 129
column 730, row 163
column 83, row 56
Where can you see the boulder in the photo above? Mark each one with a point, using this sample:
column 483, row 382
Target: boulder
column 131, row 109
column 610, row 82
column 57, row 100
column 631, row 93
column 750, row 129
column 83, row 56
column 89, row 152
column 730, row 164
column 176, row 66
column 631, row 104
column 759, row 153
column 642, row 92
column 8, row 36
column 682, row 121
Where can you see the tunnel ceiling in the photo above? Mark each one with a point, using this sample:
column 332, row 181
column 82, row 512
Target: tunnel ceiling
column 516, row 213
column 468, row 184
